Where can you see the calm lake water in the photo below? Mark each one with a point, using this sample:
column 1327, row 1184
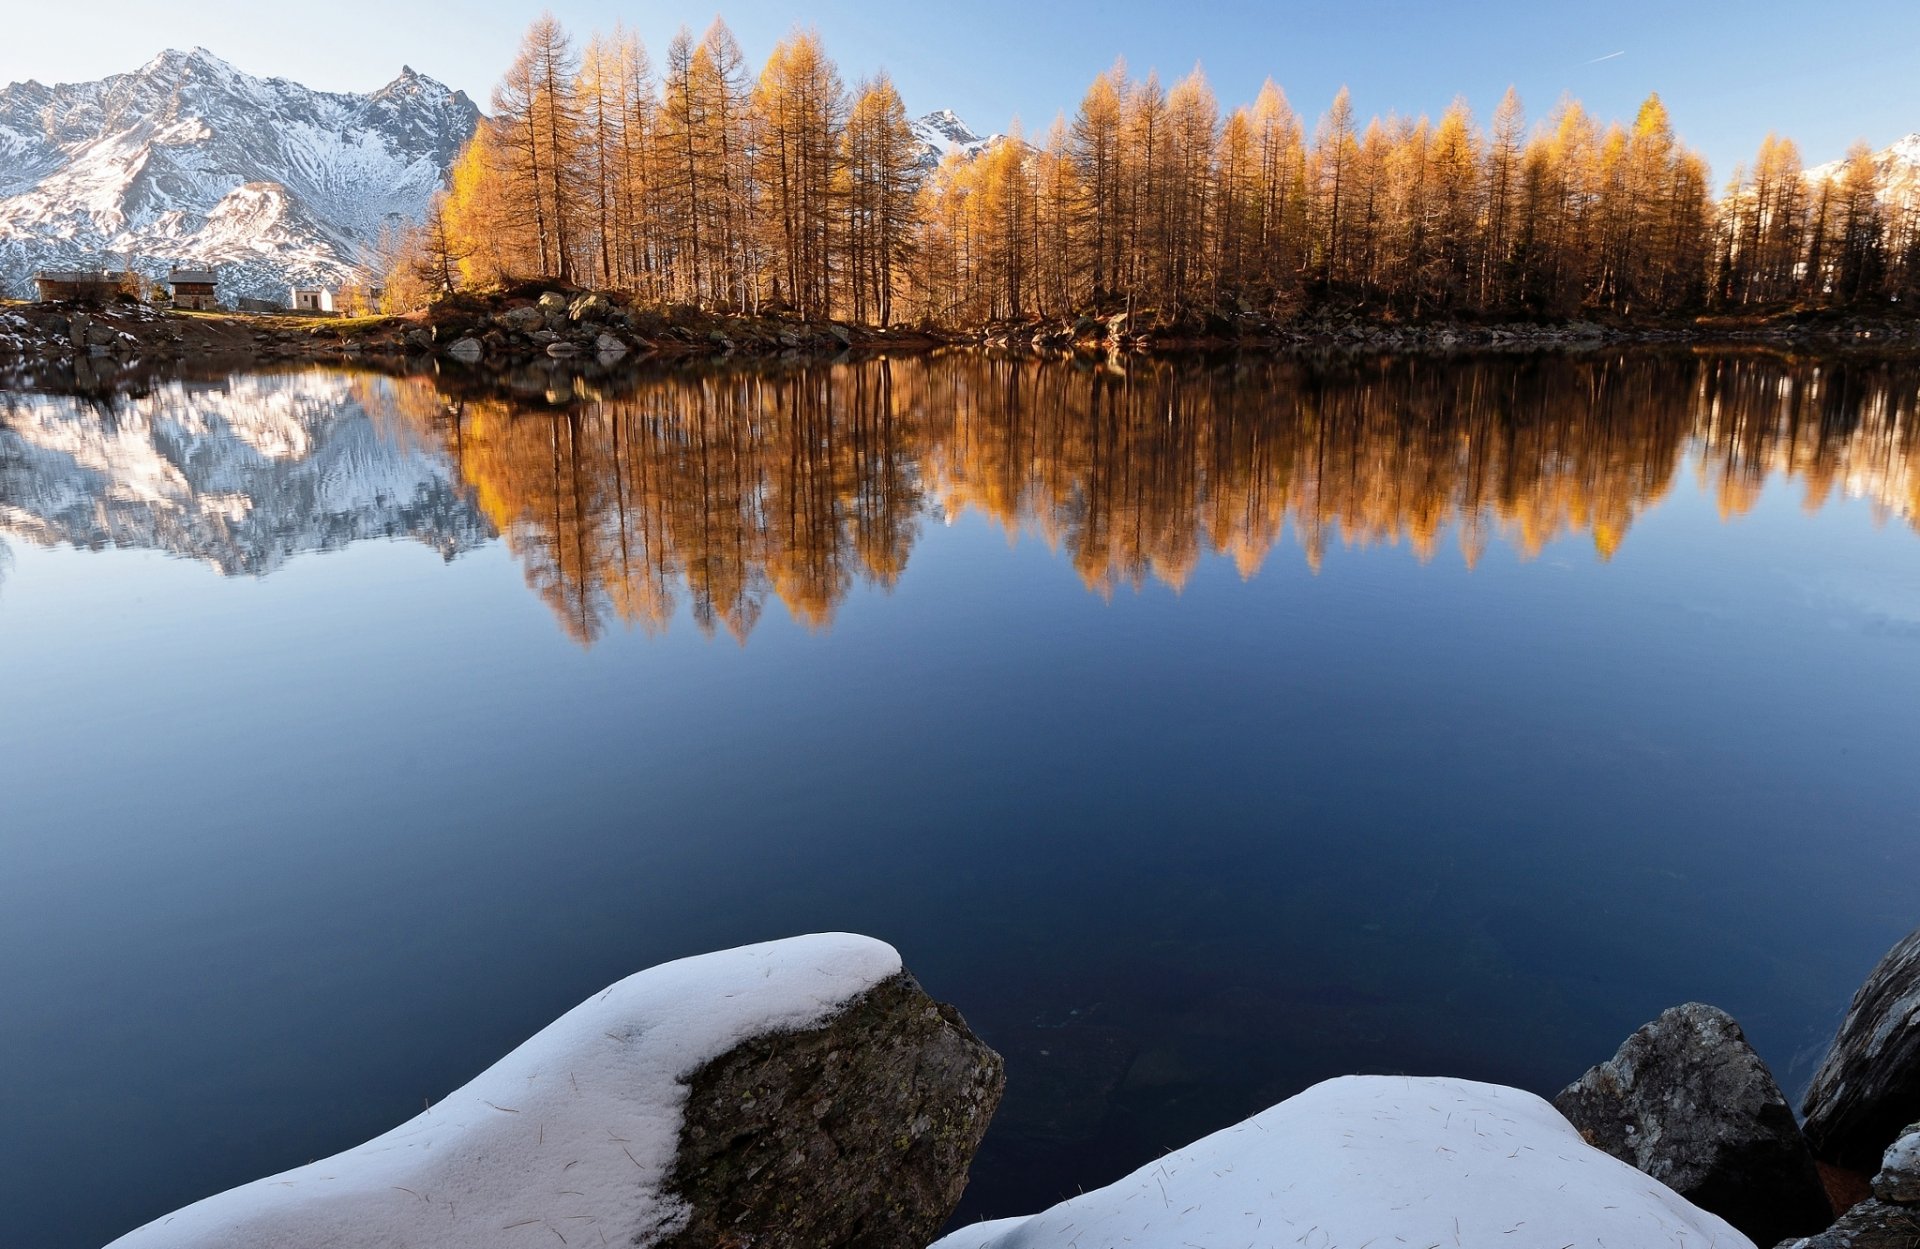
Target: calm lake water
column 1201, row 732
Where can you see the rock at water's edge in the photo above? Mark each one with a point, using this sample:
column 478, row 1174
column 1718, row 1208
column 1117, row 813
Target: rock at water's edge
column 1890, row 1219
column 1899, row 1178
column 1688, row 1101
column 1868, row 1088
column 1381, row 1160
column 858, row 1133
column 802, row 1092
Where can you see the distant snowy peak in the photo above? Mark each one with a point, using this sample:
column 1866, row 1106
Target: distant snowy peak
column 942, row 134
column 1898, row 166
column 189, row 160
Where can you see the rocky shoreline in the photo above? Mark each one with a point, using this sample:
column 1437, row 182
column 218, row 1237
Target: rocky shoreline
column 806, row 1093
column 596, row 331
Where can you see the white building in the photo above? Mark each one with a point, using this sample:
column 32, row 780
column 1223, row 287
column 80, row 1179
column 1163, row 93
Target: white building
column 311, row 299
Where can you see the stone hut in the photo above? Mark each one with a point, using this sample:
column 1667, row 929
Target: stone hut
column 194, row 288
column 85, row 285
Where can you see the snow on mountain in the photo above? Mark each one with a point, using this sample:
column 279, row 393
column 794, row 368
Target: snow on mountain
column 241, row 475
column 941, row 134
column 1898, row 165
column 189, row 160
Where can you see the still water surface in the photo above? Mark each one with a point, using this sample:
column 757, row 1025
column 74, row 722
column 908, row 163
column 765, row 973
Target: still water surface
column 1201, row 732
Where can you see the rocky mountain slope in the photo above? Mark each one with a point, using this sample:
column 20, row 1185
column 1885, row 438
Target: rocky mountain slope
column 189, row 160
column 1899, row 167
column 942, row 133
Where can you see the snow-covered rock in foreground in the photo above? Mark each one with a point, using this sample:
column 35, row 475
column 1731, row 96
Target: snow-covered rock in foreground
column 581, row 1120
column 1382, row 1161
column 763, row 1069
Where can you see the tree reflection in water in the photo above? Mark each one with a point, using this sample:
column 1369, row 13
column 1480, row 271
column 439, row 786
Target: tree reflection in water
column 796, row 482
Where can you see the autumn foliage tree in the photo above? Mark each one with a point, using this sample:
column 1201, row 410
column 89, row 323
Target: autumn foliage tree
column 782, row 190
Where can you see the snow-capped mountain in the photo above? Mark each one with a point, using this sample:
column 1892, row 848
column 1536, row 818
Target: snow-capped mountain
column 941, row 134
column 1899, row 167
column 190, row 161
column 241, row 475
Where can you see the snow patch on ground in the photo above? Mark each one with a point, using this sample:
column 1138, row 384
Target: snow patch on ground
column 1385, row 1161
column 569, row 1138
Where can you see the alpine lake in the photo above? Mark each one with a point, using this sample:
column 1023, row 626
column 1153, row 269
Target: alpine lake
column 1201, row 729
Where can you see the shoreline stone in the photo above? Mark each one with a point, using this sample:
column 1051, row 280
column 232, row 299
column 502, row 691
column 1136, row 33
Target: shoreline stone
column 1868, row 1087
column 1890, row 1219
column 1688, row 1102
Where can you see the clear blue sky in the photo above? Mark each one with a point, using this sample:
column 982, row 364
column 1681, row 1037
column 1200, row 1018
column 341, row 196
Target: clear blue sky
column 1824, row 74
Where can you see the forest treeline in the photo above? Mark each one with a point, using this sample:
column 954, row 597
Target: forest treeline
column 718, row 492
column 704, row 183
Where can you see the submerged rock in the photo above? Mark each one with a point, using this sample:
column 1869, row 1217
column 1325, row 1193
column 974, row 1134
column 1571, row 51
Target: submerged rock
column 1688, row 1101
column 798, row 1093
column 1381, row 1160
column 1868, row 1088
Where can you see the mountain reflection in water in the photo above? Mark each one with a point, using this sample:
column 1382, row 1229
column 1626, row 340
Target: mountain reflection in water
column 242, row 474
column 721, row 489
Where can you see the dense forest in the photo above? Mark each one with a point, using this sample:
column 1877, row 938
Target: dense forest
column 721, row 490
column 788, row 191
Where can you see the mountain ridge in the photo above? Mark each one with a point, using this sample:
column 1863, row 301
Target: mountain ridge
column 190, row 160
column 1898, row 165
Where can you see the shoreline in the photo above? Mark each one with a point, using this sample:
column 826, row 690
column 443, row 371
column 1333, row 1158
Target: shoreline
column 593, row 332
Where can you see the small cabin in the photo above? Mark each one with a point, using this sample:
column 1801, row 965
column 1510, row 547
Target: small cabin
column 194, row 288
column 84, row 285
column 316, row 300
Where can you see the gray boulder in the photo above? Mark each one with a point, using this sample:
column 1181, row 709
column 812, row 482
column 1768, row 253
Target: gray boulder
column 1868, row 1088
column 553, row 301
column 524, row 320
column 1873, row 1224
column 591, row 307
column 1687, row 1101
column 1890, row 1219
column 466, row 350
column 1899, row 1178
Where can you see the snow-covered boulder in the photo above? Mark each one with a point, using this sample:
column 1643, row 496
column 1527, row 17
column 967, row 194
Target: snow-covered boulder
column 1382, row 1161
column 797, row 1093
column 1688, row 1101
column 1869, row 1086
